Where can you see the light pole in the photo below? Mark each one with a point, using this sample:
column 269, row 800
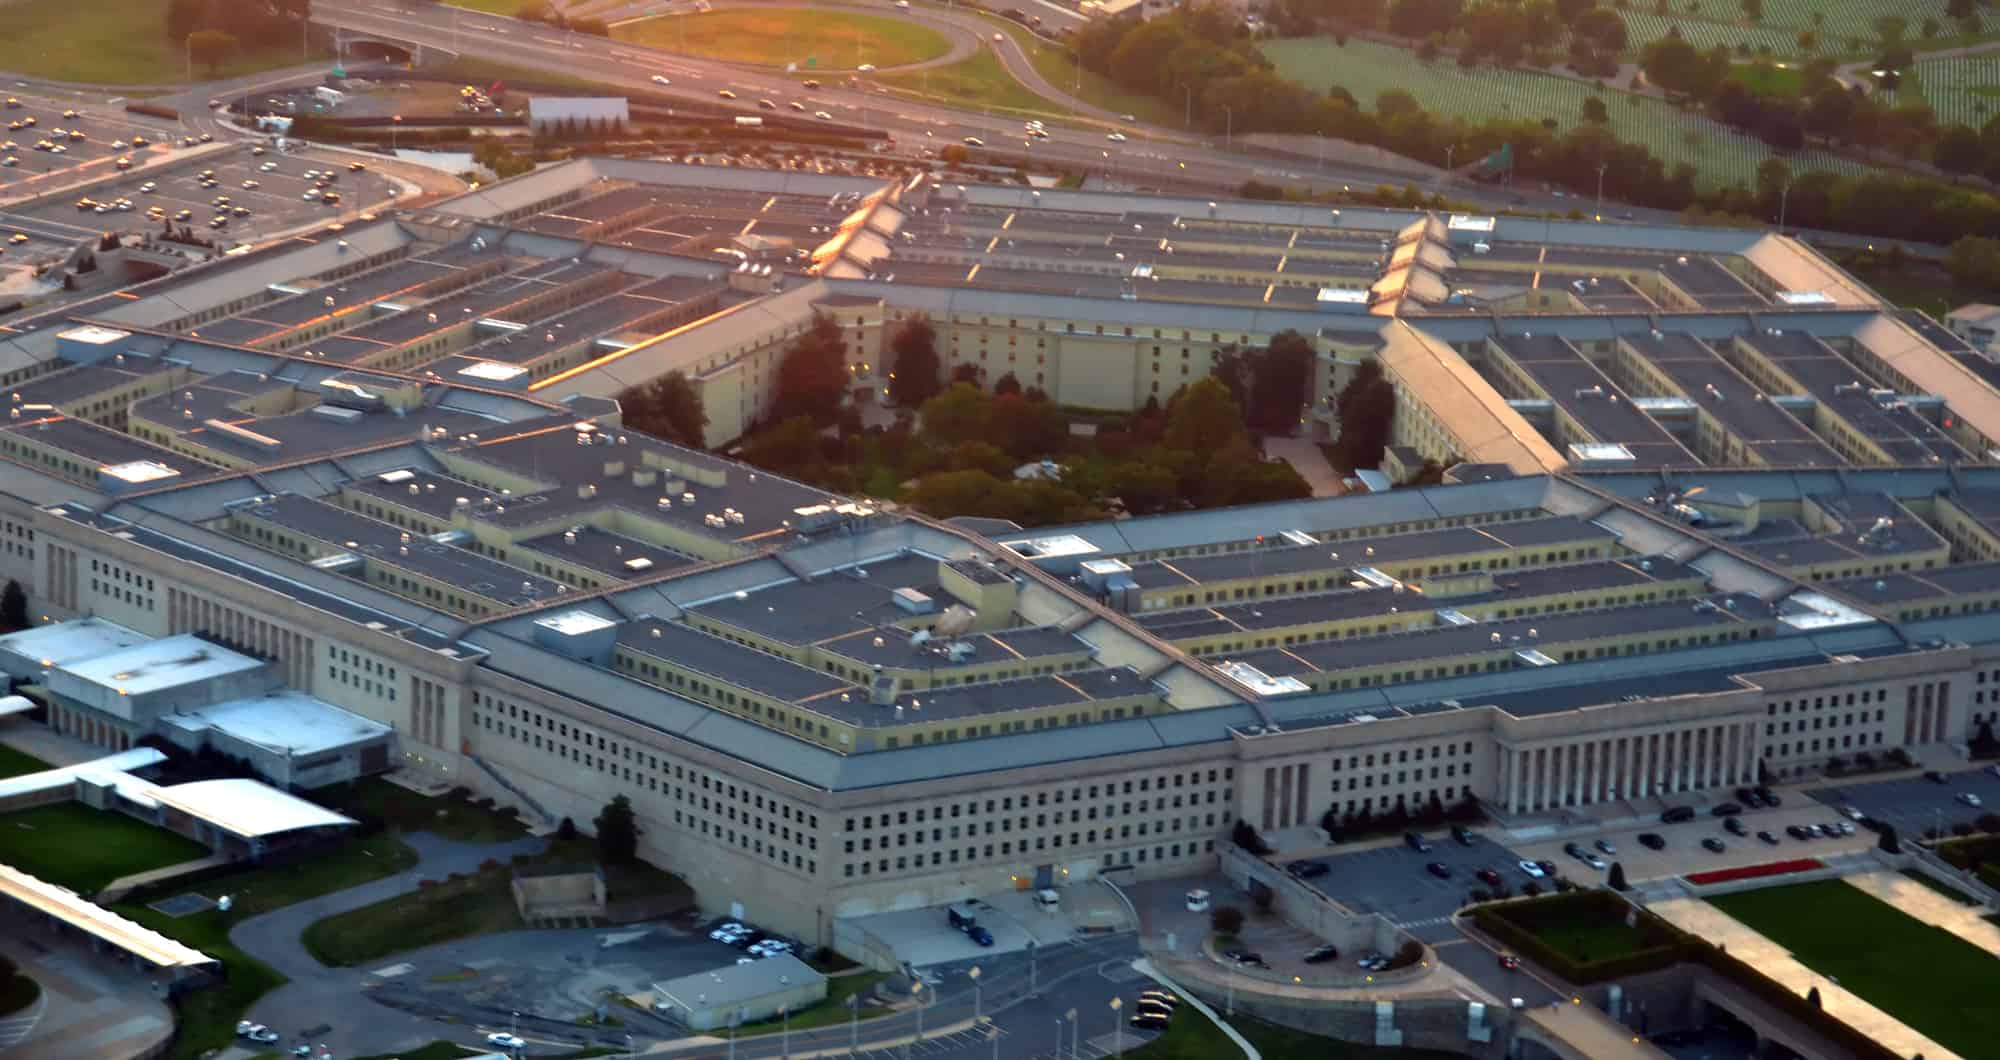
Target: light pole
column 188, row 43
column 1449, row 150
column 1059, row 1030
column 917, row 992
column 993, row 1035
column 976, row 1007
column 1074, row 1035
column 1228, row 127
column 395, row 131
column 853, row 1023
column 785, row 1030
column 1117, row 1028
column 1600, row 188
column 735, row 1021
column 1187, row 116
column 1319, row 133
column 1032, row 990
column 1784, row 193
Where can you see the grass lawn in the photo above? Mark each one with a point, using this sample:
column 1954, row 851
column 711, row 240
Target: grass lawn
column 207, row 1017
column 19, row 763
column 402, row 808
column 1592, row 942
column 479, row 904
column 976, row 82
column 839, row 40
column 1925, row 976
column 832, row 1010
column 1058, row 67
column 84, row 849
column 112, row 42
column 1940, row 886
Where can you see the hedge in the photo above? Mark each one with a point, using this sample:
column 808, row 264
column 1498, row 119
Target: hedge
column 1971, row 852
column 1510, row 922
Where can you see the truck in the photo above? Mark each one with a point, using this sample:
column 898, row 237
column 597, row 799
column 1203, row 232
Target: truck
column 750, row 122
column 961, row 915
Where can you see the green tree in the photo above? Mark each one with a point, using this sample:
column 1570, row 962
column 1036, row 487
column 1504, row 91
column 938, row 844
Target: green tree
column 791, row 448
column 1203, row 418
column 13, row 607
column 962, row 413
column 1958, row 150
column 668, row 408
column 211, row 47
column 812, row 376
column 1282, row 374
column 1753, row 10
column 1367, row 409
column 1617, row 880
column 1143, row 488
column 948, row 493
column 1027, row 428
column 1594, row 111
column 914, row 366
column 1226, row 920
column 1974, row 261
column 618, row 833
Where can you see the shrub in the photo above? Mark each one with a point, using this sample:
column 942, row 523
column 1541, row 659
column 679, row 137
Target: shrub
column 1226, row 920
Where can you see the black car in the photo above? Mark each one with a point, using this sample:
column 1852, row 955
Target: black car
column 1652, row 841
column 1935, row 777
column 1461, row 835
column 1575, row 850
column 1439, row 869
column 1546, row 866
column 1322, row 954
column 1416, row 842
column 1735, row 826
column 1147, row 1022
column 1726, row 809
column 1713, row 844
column 1797, row 831
column 1768, row 838
column 1767, row 796
column 1677, row 814
column 1306, row 870
column 1254, row 960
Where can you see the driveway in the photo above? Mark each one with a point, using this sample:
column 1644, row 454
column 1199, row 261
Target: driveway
column 90, row 1008
column 1309, row 461
column 1391, row 879
column 1913, row 804
column 321, row 997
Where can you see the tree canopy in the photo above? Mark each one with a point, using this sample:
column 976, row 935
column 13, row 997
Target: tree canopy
column 914, row 366
column 812, row 376
column 667, row 408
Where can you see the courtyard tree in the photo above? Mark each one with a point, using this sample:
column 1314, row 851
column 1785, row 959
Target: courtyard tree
column 914, row 366
column 618, row 833
column 13, row 607
column 667, row 407
column 812, row 377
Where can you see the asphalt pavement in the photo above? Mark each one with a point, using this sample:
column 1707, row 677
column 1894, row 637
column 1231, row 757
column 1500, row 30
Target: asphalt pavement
column 1393, row 881
column 1914, row 804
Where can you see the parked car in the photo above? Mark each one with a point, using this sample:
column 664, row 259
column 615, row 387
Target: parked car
column 1652, row 841
column 1726, row 809
column 1713, row 844
column 1531, row 869
column 1322, row 954
column 1439, row 869
column 1595, row 862
column 1547, row 866
column 1143, row 1007
column 1488, row 876
column 1160, row 997
column 1853, row 813
column 1606, row 846
column 505, row 1040
column 1461, row 835
column 1677, row 815
column 1768, row 838
column 1306, row 870
column 1509, row 961
column 1145, row 1022
column 1798, row 831
column 1416, row 842
column 1575, row 850
column 1770, row 797
column 1968, row 798
column 1935, row 777
column 979, row 935
column 1245, row 957
column 1735, row 826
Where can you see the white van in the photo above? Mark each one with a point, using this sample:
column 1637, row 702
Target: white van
column 1048, row 900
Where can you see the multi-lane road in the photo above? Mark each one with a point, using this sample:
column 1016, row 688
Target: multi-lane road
column 1151, row 156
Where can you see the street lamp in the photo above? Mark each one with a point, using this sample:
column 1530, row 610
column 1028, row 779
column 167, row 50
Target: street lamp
column 1074, row 1035
column 1600, row 186
column 993, row 1035
column 976, row 1008
column 395, row 128
column 1117, row 1028
column 853, row 1022
column 785, row 1031
column 917, row 992
column 1187, row 91
column 1228, row 127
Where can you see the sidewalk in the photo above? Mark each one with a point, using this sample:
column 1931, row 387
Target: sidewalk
column 1966, row 921
column 1705, row 921
column 117, row 889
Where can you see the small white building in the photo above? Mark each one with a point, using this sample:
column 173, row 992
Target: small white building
column 1978, row 324
column 740, row 993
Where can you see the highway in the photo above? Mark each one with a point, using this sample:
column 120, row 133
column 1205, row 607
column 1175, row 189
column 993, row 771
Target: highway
column 1153, row 156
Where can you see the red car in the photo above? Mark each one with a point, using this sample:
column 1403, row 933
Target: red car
column 1509, row 961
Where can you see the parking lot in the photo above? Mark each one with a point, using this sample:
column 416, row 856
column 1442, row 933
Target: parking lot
column 92, row 136
column 1914, row 804
column 1683, row 852
column 1393, row 881
column 265, row 192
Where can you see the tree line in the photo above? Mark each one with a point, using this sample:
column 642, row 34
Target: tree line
column 1200, row 57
